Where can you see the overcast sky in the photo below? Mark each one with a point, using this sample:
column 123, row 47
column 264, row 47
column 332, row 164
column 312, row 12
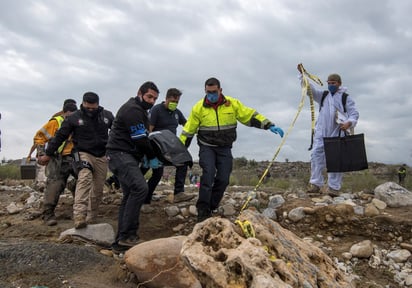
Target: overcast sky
column 53, row 50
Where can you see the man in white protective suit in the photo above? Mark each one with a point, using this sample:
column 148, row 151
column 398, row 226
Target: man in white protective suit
column 334, row 116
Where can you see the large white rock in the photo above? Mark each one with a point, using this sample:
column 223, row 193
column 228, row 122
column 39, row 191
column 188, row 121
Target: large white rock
column 399, row 256
column 363, row 249
column 219, row 255
column 157, row 263
column 393, row 195
column 101, row 234
column 13, row 208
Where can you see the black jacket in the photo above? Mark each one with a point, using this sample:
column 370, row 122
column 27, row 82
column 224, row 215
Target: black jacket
column 130, row 130
column 89, row 135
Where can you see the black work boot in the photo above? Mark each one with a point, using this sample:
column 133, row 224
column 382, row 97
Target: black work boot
column 203, row 214
column 49, row 219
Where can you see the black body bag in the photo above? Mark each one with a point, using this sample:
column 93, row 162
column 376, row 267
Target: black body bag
column 169, row 149
column 344, row 154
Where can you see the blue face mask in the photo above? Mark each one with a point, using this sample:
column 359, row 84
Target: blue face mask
column 212, row 97
column 333, row 88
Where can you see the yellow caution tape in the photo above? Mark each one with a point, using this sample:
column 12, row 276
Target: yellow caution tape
column 307, row 90
column 247, row 228
column 251, row 195
column 272, row 257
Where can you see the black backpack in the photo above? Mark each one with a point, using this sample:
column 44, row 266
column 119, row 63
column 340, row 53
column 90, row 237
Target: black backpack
column 344, row 97
column 169, row 149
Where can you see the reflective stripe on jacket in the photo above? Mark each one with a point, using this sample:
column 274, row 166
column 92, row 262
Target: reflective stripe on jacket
column 47, row 132
column 217, row 127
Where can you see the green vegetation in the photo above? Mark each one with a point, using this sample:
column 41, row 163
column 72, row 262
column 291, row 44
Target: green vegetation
column 285, row 176
column 360, row 181
column 10, row 171
column 290, row 176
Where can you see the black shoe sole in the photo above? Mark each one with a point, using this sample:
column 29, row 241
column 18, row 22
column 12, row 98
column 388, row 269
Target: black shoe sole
column 119, row 249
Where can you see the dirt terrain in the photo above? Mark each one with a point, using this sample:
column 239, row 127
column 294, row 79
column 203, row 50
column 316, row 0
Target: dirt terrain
column 31, row 255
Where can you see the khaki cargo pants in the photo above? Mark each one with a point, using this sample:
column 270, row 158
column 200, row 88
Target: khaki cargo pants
column 89, row 188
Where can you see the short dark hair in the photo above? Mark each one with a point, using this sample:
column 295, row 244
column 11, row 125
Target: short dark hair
column 91, row 97
column 212, row 82
column 173, row 93
column 146, row 86
column 69, row 101
column 69, row 107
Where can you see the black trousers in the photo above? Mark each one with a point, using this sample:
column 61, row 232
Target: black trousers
column 127, row 169
column 216, row 164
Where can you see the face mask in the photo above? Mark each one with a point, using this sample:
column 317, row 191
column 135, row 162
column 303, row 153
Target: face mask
column 332, row 88
column 90, row 113
column 172, row 106
column 145, row 105
column 212, row 97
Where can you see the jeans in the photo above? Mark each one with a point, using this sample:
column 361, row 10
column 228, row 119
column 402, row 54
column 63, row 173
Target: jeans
column 126, row 168
column 216, row 164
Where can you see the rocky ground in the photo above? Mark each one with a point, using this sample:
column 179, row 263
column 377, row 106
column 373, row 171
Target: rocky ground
column 31, row 254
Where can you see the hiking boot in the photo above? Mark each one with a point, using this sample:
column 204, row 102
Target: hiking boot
column 50, row 220
column 130, row 242
column 217, row 212
column 313, row 189
column 181, row 197
column 118, row 249
column 80, row 222
column 332, row 192
column 203, row 214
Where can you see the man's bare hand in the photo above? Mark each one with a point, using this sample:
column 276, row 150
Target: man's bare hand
column 345, row 126
column 43, row 160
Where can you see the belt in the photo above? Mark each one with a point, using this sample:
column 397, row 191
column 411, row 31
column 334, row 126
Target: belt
column 67, row 157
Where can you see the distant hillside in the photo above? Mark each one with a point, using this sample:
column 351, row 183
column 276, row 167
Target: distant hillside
column 250, row 171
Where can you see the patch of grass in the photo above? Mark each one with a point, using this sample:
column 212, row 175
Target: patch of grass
column 359, row 181
column 10, row 171
column 243, row 178
column 279, row 184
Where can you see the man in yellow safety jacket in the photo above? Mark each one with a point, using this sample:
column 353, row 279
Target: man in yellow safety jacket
column 59, row 167
column 214, row 119
column 402, row 174
column 38, row 144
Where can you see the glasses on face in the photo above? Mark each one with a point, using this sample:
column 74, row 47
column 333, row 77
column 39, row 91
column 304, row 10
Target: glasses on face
column 212, row 92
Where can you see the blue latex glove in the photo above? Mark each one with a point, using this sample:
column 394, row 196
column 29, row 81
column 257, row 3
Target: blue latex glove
column 145, row 162
column 155, row 163
column 276, row 130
